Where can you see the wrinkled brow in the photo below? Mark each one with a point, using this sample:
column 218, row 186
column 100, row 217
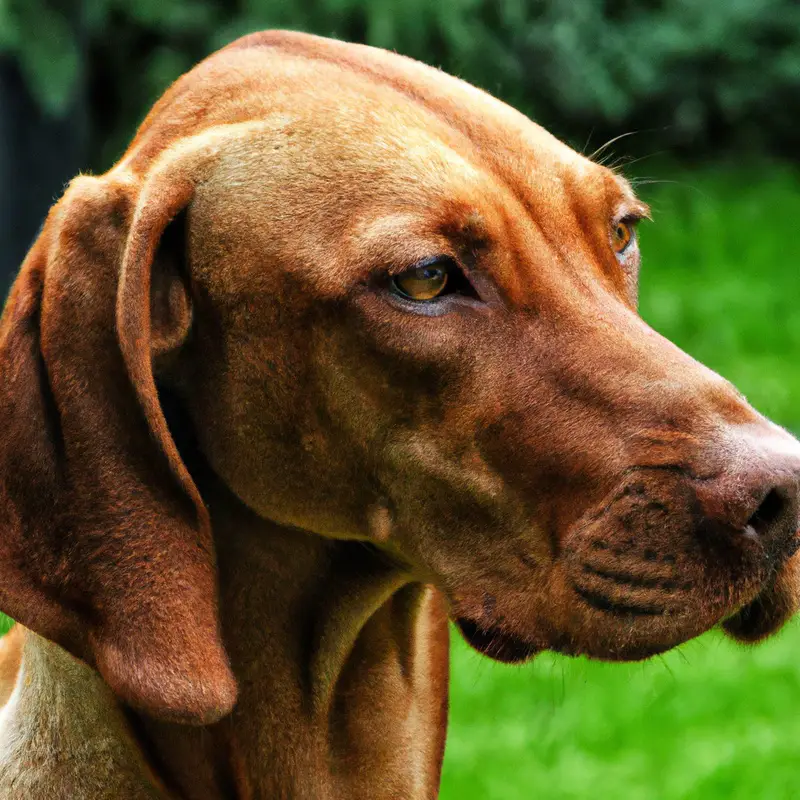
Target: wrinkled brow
column 630, row 202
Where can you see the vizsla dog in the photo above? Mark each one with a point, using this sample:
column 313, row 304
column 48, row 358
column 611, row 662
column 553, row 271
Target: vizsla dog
column 340, row 349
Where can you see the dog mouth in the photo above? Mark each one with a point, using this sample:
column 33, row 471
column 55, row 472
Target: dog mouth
column 496, row 643
column 631, row 609
column 663, row 629
column 507, row 648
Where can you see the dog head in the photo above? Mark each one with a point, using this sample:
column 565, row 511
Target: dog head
column 396, row 311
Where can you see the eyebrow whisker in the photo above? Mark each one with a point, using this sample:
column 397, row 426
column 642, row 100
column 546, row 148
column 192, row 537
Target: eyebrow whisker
column 604, row 147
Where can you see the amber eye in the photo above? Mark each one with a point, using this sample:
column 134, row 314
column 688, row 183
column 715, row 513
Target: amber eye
column 421, row 283
column 621, row 236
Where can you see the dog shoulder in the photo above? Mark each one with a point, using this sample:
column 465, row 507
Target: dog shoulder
column 62, row 733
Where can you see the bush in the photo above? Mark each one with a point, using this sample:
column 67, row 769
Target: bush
column 690, row 74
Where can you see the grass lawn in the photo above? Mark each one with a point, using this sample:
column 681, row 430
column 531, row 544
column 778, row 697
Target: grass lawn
column 721, row 278
column 712, row 720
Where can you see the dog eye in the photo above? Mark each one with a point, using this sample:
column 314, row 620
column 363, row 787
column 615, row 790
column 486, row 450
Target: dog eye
column 430, row 280
column 621, row 236
column 422, row 283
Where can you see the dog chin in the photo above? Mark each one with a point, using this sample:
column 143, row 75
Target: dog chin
column 507, row 648
column 752, row 622
column 497, row 644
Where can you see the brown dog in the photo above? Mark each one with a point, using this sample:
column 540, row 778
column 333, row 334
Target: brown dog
column 339, row 329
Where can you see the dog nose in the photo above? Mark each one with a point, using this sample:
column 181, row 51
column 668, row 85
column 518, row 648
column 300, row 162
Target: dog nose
column 776, row 514
column 775, row 519
column 757, row 493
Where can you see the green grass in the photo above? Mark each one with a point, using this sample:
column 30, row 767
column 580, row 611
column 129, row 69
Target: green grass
column 712, row 720
column 721, row 278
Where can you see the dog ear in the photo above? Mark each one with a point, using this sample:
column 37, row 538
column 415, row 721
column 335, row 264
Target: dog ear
column 105, row 543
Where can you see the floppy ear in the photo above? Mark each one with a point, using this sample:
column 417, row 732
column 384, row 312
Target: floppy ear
column 105, row 544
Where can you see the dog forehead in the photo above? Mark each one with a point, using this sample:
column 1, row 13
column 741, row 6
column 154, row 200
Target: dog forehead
column 356, row 86
column 337, row 196
column 327, row 137
column 332, row 198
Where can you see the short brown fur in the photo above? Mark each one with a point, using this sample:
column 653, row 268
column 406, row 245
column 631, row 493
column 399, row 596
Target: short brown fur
column 244, row 483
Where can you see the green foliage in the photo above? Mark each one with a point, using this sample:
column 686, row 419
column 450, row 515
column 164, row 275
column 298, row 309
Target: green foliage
column 42, row 39
column 690, row 73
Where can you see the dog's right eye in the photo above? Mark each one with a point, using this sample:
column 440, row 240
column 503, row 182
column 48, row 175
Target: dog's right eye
column 430, row 280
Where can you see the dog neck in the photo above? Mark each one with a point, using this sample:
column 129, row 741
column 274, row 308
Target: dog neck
column 342, row 665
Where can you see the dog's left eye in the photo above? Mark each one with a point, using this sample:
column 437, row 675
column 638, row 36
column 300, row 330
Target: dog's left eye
column 421, row 283
column 621, row 236
column 430, row 280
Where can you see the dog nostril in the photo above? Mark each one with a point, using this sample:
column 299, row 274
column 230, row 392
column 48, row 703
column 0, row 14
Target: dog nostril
column 768, row 513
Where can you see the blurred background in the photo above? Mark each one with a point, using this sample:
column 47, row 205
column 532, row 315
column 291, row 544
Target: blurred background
column 706, row 98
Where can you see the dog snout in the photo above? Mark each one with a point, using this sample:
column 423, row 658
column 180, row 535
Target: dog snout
column 756, row 492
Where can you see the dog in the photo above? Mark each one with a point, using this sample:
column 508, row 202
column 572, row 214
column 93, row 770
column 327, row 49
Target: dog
column 342, row 349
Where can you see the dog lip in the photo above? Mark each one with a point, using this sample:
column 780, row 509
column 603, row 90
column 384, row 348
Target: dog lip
column 761, row 617
column 496, row 643
column 752, row 621
column 606, row 605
